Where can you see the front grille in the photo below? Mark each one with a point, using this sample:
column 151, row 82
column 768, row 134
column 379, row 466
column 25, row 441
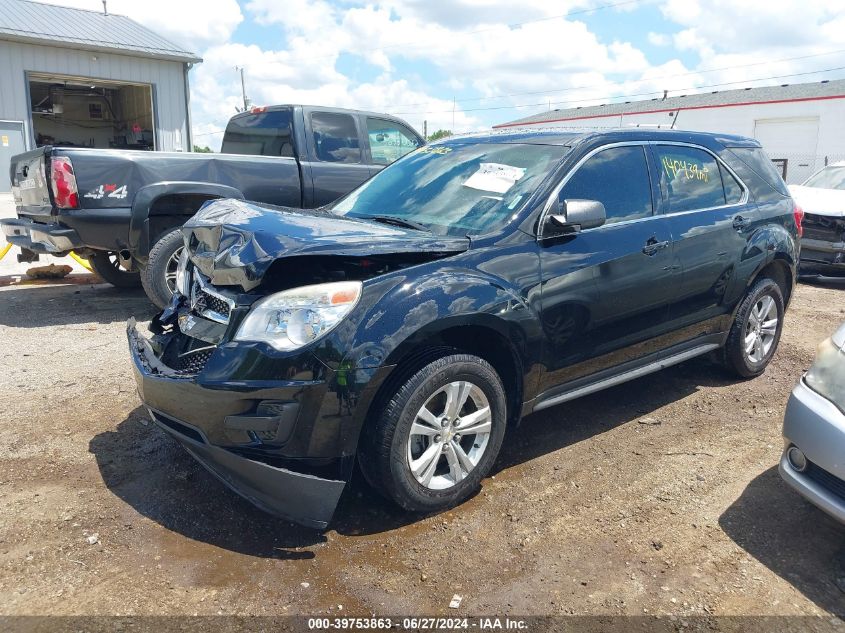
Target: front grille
column 206, row 301
column 822, row 227
column 193, row 362
column 827, row 480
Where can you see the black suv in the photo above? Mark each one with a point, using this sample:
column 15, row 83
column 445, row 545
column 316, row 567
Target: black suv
column 476, row 280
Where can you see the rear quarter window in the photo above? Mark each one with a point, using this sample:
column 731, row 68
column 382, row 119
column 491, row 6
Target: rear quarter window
column 757, row 161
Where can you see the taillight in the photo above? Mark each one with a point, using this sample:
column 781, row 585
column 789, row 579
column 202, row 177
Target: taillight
column 65, row 193
column 798, row 212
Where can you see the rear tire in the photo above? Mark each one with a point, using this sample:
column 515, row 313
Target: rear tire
column 755, row 333
column 159, row 276
column 438, row 435
column 107, row 266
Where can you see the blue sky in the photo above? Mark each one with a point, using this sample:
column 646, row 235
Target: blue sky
column 413, row 57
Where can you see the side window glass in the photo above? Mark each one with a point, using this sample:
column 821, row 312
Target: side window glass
column 733, row 190
column 689, row 178
column 618, row 178
column 389, row 141
column 265, row 134
column 335, row 137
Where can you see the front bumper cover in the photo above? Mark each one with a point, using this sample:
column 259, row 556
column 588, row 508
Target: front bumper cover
column 300, row 497
column 817, row 427
column 46, row 239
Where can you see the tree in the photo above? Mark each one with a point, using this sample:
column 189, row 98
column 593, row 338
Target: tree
column 436, row 136
column 203, row 149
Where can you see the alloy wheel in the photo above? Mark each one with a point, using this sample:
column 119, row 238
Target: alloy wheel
column 761, row 329
column 449, row 435
column 170, row 270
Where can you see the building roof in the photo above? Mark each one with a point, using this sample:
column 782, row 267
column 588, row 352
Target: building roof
column 51, row 25
column 716, row 99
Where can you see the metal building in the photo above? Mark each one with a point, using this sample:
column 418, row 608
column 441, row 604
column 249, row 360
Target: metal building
column 88, row 79
column 800, row 125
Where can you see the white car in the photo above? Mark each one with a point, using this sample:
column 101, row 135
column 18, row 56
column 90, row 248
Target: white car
column 822, row 197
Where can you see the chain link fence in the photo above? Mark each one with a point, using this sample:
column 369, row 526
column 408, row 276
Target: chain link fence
column 796, row 168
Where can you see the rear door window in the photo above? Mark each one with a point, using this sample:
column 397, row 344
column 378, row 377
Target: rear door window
column 618, row 178
column 335, row 137
column 689, row 178
column 265, row 134
column 389, row 141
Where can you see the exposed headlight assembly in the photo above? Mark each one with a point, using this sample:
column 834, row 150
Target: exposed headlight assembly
column 183, row 279
column 826, row 376
column 292, row 318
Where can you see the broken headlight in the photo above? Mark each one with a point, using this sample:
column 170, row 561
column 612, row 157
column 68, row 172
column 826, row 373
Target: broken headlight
column 826, row 376
column 292, row 318
column 183, row 279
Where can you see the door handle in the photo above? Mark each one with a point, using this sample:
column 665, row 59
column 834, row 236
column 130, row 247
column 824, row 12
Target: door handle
column 739, row 223
column 653, row 246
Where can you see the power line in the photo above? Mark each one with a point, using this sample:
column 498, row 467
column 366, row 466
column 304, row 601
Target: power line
column 526, row 105
column 635, row 81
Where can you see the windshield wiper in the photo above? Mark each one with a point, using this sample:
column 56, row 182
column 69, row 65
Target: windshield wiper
column 396, row 221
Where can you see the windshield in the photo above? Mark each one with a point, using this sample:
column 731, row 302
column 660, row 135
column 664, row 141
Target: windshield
column 828, row 178
column 455, row 189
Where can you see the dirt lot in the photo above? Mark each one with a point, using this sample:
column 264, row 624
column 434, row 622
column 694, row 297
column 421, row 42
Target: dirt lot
column 660, row 496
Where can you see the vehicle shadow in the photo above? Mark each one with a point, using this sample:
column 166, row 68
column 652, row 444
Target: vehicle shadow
column 791, row 537
column 47, row 304
column 150, row 472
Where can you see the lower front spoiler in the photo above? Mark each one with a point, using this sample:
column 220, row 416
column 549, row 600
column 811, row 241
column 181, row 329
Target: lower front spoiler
column 297, row 497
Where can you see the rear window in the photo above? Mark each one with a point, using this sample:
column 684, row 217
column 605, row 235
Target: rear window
column 265, row 134
column 756, row 160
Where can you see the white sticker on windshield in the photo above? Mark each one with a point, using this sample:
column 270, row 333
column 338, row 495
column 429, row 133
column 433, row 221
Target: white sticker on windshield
column 495, row 177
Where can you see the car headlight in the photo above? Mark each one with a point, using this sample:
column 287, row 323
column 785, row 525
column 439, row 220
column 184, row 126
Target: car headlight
column 183, row 279
column 826, row 376
column 292, row 318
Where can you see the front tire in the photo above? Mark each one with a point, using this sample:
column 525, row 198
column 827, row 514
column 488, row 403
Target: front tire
column 438, row 434
column 756, row 330
column 159, row 276
column 107, row 266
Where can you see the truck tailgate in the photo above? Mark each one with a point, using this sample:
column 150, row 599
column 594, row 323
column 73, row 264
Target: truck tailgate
column 29, row 183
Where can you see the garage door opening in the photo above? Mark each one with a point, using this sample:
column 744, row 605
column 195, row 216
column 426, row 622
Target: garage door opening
column 80, row 112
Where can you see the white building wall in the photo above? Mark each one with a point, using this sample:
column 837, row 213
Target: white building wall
column 742, row 120
column 166, row 77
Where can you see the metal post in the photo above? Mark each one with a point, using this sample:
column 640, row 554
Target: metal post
column 243, row 88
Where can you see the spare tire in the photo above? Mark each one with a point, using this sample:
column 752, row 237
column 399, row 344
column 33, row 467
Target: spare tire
column 107, row 265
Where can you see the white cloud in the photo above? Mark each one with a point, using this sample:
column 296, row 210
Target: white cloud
column 659, row 39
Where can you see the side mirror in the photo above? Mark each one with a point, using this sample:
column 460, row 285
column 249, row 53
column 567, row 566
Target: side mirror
column 576, row 215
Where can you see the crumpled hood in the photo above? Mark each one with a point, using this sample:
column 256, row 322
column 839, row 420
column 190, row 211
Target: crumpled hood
column 234, row 242
column 829, row 202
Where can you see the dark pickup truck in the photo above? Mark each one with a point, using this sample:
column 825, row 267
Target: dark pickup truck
column 123, row 209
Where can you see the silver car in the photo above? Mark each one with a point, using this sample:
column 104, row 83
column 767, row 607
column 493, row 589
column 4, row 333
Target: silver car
column 813, row 460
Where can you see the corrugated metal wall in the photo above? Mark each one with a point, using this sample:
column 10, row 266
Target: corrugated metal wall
column 167, row 79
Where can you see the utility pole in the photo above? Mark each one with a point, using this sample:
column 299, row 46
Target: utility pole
column 453, row 115
column 243, row 88
column 425, row 129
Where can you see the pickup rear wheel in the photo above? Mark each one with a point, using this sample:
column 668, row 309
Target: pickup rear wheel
column 438, row 435
column 107, row 265
column 159, row 276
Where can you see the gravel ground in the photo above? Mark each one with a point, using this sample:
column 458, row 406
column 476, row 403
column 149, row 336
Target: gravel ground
column 660, row 496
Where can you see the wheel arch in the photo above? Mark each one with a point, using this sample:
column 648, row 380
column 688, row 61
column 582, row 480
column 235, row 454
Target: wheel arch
column 162, row 206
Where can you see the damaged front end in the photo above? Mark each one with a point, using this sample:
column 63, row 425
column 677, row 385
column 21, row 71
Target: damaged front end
column 273, row 415
column 235, row 431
